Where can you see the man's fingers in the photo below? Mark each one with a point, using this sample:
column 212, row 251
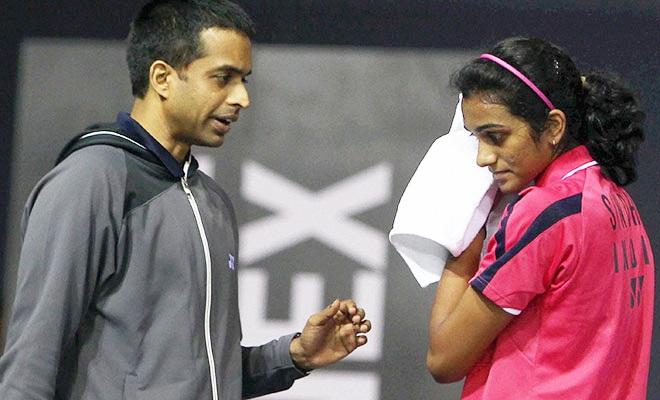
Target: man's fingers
column 348, row 307
column 348, row 330
column 365, row 326
column 358, row 316
column 351, row 311
column 340, row 311
column 348, row 335
column 324, row 315
column 353, row 335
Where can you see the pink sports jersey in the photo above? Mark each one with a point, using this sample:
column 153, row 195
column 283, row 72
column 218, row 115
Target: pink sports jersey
column 572, row 257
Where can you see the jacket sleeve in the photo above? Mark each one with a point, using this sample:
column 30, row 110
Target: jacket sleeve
column 269, row 368
column 68, row 247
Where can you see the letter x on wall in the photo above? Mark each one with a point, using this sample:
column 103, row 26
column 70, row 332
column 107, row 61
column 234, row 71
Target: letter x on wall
column 325, row 215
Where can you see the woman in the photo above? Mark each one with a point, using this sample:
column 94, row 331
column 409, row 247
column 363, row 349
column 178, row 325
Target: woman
column 561, row 305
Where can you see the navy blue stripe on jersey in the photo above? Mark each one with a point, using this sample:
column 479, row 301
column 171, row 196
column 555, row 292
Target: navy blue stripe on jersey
column 500, row 237
column 550, row 216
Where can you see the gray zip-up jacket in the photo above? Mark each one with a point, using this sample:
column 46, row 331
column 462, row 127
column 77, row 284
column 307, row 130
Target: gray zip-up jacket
column 127, row 286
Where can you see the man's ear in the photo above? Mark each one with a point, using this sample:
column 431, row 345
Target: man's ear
column 160, row 78
column 555, row 127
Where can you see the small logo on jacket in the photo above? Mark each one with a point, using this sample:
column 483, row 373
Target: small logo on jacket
column 231, row 262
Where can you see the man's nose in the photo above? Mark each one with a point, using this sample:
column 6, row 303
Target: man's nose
column 239, row 96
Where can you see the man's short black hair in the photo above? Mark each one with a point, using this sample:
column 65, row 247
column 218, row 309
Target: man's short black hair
column 169, row 30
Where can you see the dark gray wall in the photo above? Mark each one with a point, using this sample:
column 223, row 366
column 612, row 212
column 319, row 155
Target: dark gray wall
column 623, row 39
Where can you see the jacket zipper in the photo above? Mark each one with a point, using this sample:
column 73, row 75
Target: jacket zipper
column 207, row 260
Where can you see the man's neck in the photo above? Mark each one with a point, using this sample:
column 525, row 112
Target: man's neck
column 154, row 122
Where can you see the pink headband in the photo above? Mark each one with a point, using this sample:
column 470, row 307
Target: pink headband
column 520, row 76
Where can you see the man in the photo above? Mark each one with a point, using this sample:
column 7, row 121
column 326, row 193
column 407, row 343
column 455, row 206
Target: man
column 127, row 282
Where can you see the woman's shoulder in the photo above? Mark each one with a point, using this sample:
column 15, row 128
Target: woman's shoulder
column 548, row 204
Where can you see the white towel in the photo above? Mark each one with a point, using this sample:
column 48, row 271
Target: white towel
column 444, row 205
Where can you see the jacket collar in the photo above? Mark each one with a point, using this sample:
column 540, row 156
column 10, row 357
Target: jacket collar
column 132, row 129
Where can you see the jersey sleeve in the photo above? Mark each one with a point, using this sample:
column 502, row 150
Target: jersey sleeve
column 533, row 248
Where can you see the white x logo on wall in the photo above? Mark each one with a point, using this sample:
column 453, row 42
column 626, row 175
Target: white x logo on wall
column 324, row 215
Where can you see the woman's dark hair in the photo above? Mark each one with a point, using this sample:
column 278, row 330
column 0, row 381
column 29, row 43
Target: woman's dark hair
column 169, row 30
column 601, row 112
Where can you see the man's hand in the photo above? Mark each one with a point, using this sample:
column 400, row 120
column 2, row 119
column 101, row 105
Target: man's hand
column 330, row 335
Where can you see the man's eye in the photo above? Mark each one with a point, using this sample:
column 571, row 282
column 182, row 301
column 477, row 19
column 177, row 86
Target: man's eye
column 223, row 78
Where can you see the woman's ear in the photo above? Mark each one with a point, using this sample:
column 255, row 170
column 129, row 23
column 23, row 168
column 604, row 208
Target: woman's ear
column 555, row 127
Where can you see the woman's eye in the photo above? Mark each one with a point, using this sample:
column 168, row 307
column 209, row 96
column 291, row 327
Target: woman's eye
column 494, row 137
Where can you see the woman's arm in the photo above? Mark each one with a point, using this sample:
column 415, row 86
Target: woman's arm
column 463, row 323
